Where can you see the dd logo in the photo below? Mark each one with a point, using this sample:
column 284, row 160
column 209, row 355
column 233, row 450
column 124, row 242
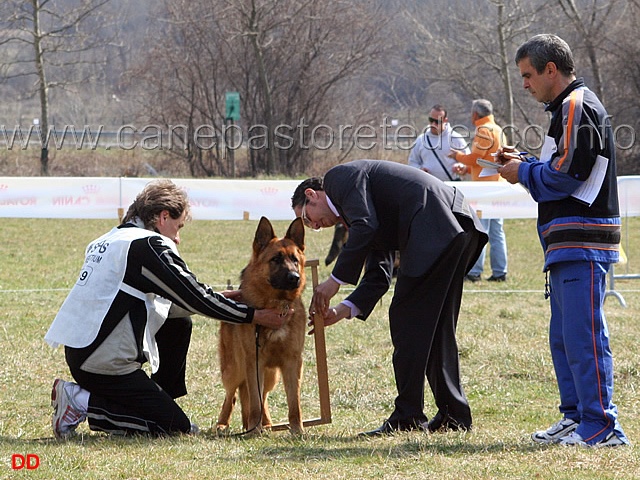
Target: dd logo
column 30, row 461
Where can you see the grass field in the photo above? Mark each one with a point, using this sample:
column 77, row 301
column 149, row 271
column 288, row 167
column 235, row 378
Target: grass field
column 505, row 362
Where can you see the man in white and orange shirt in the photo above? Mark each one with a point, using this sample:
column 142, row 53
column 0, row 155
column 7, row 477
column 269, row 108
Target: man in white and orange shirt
column 486, row 141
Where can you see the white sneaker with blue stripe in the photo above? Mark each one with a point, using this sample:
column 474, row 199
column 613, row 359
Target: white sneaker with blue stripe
column 574, row 439
column 555, row 432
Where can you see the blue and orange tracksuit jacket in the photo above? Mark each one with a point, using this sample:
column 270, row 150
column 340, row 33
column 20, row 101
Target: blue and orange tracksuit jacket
column 569, row 229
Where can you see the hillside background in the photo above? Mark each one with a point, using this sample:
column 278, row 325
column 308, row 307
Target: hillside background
column 319, row 81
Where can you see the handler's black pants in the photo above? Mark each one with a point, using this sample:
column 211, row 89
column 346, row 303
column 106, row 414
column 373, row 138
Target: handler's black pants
column 423, row 317
column 135, row 403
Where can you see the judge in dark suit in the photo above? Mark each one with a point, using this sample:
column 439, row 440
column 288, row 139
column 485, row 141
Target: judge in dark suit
column 388, row 206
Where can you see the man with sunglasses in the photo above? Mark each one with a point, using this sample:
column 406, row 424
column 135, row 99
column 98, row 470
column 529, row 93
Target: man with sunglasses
column 431, row 150
column 387, row 207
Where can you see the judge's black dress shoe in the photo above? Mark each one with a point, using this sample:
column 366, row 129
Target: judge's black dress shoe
column 388, row 429
column 442, row 422
column 499, row 278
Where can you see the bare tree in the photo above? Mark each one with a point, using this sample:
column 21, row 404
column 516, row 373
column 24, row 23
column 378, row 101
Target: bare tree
column 286, row 58
column 55, row 34
column 299, row 66
column 469, row 50
column 182, row 89
column 620, row 65
column 258, row 22
column 594, row 21
column 603, row 39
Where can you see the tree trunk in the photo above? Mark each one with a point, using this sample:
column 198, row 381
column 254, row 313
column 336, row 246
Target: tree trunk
column 572, row 12
column 266, row 92
column 43, row 88
column 506, row 79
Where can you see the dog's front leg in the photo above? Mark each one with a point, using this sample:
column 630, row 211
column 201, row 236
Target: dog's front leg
column 252, row 408
column 225, row 412
column 291, row 378
column 270, row 381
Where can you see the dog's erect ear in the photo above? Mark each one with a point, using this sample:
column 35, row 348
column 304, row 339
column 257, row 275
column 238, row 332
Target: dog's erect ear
column 264, row 234
column 296, row 233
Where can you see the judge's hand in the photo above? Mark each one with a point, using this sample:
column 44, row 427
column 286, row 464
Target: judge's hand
column 322, row 295
column 334, row 315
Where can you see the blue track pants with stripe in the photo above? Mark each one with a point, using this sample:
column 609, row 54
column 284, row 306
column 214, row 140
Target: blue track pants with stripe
column 579, row 340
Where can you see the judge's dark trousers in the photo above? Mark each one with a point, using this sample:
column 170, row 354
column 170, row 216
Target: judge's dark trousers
column 423, row 317
column 135, row 403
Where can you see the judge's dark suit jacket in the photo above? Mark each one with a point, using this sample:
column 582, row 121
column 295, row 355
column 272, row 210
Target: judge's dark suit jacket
column 389, row 206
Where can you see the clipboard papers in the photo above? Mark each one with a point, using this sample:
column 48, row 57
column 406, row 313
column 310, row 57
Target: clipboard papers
column 488, row 164
column 589, row 190
column 489, row 168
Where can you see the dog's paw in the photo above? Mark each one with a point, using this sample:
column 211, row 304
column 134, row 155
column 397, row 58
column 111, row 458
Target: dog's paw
column 296, row 430
column 222, row 430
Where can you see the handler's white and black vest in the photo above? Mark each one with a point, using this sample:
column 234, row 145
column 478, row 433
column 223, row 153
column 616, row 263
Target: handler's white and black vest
column 130, row 280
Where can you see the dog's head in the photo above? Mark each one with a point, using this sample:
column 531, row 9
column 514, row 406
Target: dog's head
column 284, row 257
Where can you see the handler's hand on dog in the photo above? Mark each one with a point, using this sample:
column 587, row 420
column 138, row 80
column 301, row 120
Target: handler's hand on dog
column 334, row 315
column 272, row 318
column 233, row 295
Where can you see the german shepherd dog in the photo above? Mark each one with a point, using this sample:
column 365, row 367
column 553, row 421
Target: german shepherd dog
column 274, row 278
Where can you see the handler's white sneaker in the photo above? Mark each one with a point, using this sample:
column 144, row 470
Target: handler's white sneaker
column 555, row 432
column 574, row 439
column 67, row 415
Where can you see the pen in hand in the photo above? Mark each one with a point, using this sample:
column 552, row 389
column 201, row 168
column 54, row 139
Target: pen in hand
column 517, row 153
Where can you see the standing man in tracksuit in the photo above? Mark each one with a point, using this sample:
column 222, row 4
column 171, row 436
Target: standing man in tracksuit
column 580, row 235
